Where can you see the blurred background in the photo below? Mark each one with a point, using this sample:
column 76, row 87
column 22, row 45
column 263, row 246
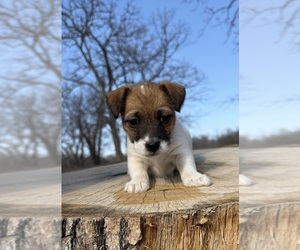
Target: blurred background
column 269, row 124
column 30, row 84
column 107, row 44
column 269, row 73
column 30, row 124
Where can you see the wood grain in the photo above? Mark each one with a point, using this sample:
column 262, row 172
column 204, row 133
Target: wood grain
column 98, row 214
column 269, row 209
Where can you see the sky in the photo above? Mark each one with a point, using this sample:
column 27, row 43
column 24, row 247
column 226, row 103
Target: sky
column 216, row 58
column 265, row 70
column 269, row 73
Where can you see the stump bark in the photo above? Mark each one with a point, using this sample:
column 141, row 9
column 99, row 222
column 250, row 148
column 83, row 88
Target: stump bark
column 99, row 214
column 269, row 209
column 30, row 209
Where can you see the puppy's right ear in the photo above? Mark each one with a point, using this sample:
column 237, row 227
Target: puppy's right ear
column 116, row 100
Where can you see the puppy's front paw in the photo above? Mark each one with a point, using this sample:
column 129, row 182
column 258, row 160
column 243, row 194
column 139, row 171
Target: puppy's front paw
column 195, row 180
column 137, row 185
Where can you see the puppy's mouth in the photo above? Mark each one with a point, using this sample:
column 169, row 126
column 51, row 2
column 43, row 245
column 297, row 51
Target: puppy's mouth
column 151, row 147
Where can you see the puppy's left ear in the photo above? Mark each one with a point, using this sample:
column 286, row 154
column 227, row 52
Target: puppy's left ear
column 116, row 100
column 175, row 92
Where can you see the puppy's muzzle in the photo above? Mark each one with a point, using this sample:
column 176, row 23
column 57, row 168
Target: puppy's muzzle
column 152, row 146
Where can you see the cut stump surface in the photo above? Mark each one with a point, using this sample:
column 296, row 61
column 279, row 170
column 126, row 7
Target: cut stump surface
column 99, row 214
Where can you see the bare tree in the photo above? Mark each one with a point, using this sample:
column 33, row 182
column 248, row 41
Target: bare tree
column 284, row 13
column 225, row 14
column 30, row 87
column 107, row 44
column 82, row 128
column 283, row 16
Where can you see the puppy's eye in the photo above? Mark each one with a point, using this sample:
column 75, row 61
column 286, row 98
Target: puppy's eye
column 133, row 122
column 165, row 118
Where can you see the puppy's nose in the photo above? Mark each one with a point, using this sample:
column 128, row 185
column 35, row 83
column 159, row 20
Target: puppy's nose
column 152, row 146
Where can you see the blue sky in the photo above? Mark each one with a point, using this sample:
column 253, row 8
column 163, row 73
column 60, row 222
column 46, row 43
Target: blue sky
column 265, row 72
column 269, row 69
column 216, row 59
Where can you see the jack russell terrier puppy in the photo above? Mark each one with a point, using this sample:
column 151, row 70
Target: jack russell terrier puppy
column 157, row 142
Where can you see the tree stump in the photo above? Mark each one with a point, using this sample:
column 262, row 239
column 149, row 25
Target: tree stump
column 99, row 214
column 30, row 209
column 269, row 209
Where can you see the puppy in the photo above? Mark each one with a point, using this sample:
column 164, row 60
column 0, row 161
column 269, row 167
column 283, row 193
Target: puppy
column 157, row 143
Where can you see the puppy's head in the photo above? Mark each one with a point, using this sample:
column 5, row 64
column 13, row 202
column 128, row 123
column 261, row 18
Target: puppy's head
column 148, row 113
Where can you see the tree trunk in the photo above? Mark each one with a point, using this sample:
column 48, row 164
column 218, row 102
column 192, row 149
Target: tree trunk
column 98, row 214
column 93, row 151
column 116, row 138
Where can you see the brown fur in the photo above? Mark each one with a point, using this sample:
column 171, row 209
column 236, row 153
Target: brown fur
column 148, row 105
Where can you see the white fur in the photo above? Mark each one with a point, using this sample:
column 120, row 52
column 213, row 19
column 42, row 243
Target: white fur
column 143, row 89
column 177, row 154
column 245, row 180
column 140, row 146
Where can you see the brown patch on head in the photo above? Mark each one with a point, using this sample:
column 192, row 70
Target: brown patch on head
column 175, row 93
column 116, row 100
column 147, row 108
